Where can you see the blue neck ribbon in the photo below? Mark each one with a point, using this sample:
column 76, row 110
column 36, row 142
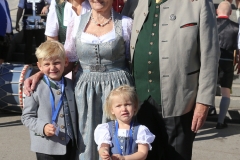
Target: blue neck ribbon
column 55, row 110
column 130, row 139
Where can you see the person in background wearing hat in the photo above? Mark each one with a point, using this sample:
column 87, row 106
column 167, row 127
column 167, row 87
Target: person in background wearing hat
column 6, row 30
column 174, row 54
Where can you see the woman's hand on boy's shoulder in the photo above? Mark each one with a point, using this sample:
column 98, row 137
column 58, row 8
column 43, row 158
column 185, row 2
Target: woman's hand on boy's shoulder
column 31, row 83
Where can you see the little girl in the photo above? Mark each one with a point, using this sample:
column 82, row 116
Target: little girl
column 123, row 138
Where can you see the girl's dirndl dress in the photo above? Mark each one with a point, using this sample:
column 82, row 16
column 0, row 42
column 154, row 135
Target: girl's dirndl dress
column 120, row 141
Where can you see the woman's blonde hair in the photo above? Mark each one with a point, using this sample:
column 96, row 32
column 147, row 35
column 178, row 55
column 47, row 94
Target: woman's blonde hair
column 122, row 91
column 50, row 49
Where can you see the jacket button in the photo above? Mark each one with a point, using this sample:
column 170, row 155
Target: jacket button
column 63, row 138
column 149, row 53
column 61, row 115
column 137, row 31
column 150, row 80
column 151, row 43
column 149, row 72
column 149, row 62
column 62, row 126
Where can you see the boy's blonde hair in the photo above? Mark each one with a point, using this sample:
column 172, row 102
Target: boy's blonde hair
column 123, row 91
column 50, row 49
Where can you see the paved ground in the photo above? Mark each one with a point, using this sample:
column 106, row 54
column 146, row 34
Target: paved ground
column 210, row 144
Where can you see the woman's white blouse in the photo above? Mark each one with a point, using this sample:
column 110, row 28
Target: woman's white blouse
column 52, row 25
column 70, row 46
column 102, row 135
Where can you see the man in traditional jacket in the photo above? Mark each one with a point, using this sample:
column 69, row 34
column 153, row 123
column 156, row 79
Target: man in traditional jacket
column 174, row 54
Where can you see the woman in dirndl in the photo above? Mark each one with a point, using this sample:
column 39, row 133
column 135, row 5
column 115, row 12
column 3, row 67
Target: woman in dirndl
column 100, row 42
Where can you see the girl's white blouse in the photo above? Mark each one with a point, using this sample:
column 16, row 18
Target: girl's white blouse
column 52, row 25
column 102, row 135
column 70, row 45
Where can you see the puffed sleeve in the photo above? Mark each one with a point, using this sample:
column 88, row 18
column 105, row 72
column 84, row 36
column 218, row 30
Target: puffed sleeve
column 144, row 136
column 102, row 135
column 127, row 29
column 70, row 45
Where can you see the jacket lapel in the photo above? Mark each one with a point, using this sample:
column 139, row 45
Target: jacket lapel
column 140, row 15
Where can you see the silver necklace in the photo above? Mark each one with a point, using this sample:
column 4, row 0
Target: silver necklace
column 101, row 24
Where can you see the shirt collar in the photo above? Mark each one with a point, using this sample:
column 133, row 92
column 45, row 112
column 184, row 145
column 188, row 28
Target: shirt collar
column 226, row 17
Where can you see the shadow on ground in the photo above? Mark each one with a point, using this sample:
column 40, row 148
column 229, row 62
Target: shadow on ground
column 11, row 124
column 234, row 117
column 209, row 131
column 6, row 114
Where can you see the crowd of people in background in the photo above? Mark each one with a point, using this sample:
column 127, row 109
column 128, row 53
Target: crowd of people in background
column 148, row 65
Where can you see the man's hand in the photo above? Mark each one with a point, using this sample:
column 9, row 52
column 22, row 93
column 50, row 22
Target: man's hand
column 49, row 130
column 199, row 116
column 30, row 83
column 17, row 27
column 45, row 10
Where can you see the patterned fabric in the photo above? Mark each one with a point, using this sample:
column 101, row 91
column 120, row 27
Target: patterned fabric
column 70, row 46
column 62, row 29
column 92, row 88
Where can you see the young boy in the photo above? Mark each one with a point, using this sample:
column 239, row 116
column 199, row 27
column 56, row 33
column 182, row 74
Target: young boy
column 50, row 112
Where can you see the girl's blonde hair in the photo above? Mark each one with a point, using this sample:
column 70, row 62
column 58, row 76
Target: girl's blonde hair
column 122, row 91
column 50, row 49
